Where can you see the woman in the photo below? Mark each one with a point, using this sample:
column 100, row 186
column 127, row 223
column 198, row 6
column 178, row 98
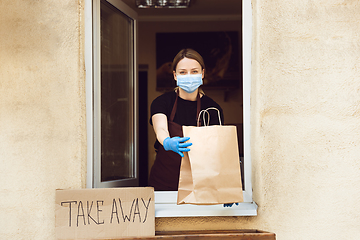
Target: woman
column 172, row 110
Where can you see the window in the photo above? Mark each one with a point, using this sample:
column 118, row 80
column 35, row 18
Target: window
column 165, row 202
column 112, row 106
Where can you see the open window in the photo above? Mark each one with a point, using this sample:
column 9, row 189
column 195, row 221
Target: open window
column 112, row 103
column 112, row 115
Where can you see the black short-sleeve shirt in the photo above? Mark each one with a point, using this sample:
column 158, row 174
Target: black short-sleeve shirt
column 186, row 114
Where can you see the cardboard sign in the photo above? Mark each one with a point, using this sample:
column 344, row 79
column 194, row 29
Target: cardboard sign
column 104, row 213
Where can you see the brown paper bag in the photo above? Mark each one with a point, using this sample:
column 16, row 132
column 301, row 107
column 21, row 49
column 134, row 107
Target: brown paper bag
column 210, row 171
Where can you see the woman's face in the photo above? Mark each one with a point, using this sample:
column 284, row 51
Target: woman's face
column 188, row 66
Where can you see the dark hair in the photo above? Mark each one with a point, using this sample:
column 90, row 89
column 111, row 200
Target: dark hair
column 187, row 53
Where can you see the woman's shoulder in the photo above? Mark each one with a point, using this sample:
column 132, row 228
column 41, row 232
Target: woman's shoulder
column 164, row 101
column 209, row 102
column 163, row 104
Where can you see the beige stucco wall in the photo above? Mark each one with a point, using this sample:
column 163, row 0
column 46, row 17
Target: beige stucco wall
column 42, row 112
column 305, row 115
column 304, row 104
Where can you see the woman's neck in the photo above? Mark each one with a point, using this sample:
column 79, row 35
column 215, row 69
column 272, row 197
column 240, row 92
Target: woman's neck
column 188, row 96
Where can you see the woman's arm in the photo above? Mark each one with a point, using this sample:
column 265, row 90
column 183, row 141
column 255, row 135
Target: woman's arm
column 160, row 125
column 175, row 144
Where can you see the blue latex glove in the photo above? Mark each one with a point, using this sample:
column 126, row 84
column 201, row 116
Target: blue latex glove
column 230, row 204
column 176, row 144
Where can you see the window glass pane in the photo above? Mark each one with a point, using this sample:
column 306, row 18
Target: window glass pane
column 116, row 94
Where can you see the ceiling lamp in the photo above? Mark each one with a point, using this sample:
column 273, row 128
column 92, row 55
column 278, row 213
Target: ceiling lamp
column 162, row 3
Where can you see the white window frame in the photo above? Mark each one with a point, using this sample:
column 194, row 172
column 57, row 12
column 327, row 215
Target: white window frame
column 89, row 49
column 165, row 202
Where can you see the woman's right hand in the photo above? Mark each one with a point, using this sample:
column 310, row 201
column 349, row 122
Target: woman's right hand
column 177, row 144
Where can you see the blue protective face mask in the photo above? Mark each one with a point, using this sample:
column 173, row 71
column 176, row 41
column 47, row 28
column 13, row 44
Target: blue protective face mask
column 189, row 82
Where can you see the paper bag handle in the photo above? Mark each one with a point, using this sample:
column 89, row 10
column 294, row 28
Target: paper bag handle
column 206, row 111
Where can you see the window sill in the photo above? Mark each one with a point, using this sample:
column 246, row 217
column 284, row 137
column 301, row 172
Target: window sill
column 165, row 206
